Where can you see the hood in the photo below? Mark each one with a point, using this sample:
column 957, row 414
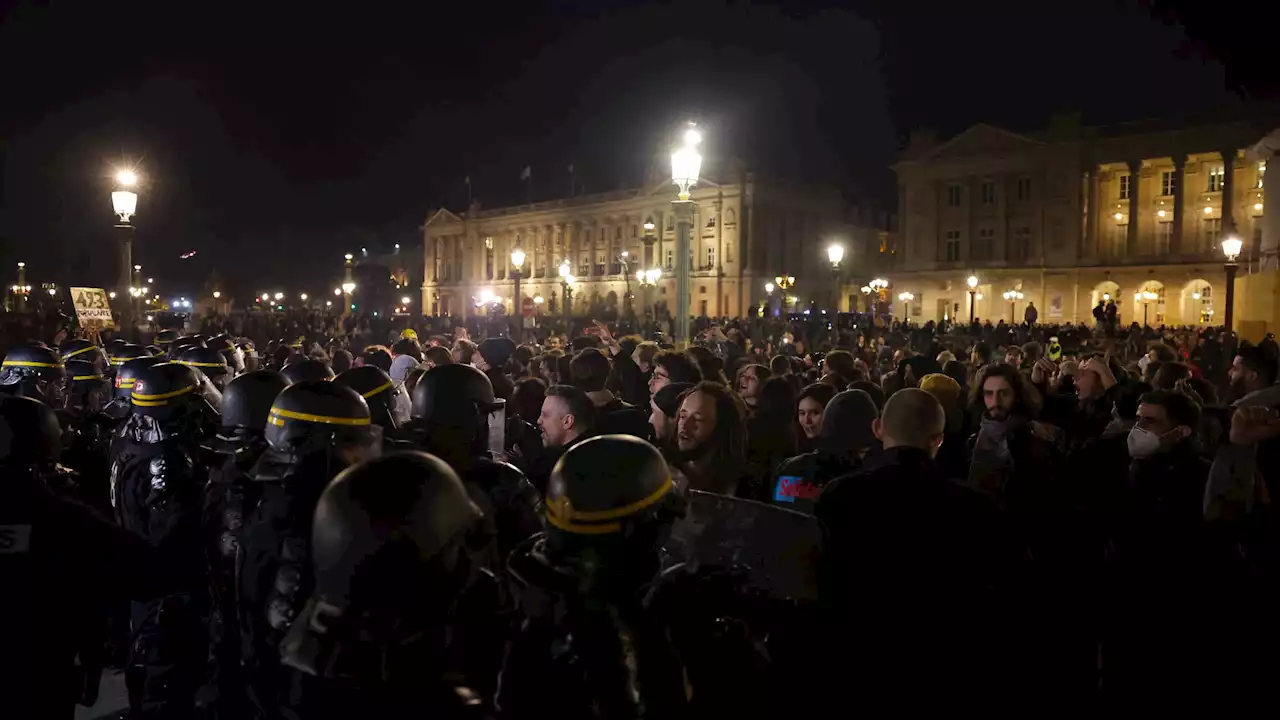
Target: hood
column 846, row 422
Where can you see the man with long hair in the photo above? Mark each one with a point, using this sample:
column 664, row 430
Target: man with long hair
column 711, row 436
column 1010, row 441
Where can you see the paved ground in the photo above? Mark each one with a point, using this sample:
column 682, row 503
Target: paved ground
column 112, row 699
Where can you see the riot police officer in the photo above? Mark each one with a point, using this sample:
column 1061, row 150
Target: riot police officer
column 121, row 403
column 306, row 370
column 389, row 549
column 155, row 492
column 587, row 645
column 181, row 345
column 314, row 430
column 62, row 565
column 378, row 390
column 208, row 362
column 165, row 337
column 227, row 498
column 451, row 420
column 33, row 371
column 124, row 352
column 82, row 349
column 86, row 431
column 234, row 356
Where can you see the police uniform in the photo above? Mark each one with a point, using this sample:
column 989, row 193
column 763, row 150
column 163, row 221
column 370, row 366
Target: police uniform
column 313, row 429
column 389, row 547
column 33, row 371
column 587, row 647
column 155, row 493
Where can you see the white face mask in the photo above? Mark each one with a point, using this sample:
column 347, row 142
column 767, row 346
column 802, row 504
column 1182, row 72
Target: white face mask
column 1143, row 443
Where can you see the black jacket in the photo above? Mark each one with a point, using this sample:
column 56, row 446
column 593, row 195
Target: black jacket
column 620, row 418
column 914, row 577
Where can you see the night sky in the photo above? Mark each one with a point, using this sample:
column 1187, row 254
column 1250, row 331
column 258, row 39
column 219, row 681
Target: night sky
column 272, row 143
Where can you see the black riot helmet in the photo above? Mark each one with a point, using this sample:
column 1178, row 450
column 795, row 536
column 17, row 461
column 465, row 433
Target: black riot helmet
column 29, row 433
column 225, row 345
column 113, row 344
column 247, row 400
column 128, row 374
column 34, row 369
column 388, row 550
column 165, row 337
column 167, row 390
column 310, row 416
column 154, row 350
column 306, row 370
column 610, row 501
column 126, row 352
column 181, row 345
column 378, row 390
column 87, row 388
column 453, row 395
column 207, row 361
column 81, row 349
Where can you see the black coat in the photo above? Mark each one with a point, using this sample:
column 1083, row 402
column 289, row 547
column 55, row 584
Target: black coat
column 914, row 578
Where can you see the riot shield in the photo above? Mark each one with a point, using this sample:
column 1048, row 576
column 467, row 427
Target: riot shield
column 776, row 549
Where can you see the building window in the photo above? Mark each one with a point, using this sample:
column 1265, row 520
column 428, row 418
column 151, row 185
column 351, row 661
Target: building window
column 602, row 236
column 988, row 193
column 953, row 196
column 1024, row 189
column 953, row 246
column 635, row 231
column 1212, row 229
column 617, row 233
column 1020, row 248
column 711, row 220
column 1166, row 183
column 1216, row 177
column 670, row 258
column 1164, row 237
column 711, row 257
column 1262, row 171
column 1124, row 187
column 671, row 223
column 986, row 239
column 704, row 308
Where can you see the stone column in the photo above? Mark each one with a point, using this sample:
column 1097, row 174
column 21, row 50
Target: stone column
column 1179, row 202
column 1228, row 192
column 1270, row 251
column 1135, row 183
column 1093, row 213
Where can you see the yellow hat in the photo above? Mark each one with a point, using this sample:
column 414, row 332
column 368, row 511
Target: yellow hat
column 943, row 387
column 408, row 334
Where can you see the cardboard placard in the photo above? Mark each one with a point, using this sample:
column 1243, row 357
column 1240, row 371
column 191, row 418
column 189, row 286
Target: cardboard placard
column 92, row 307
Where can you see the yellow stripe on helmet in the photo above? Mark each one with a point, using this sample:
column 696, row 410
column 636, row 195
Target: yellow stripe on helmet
column 30, row 363
column 163, row 396
column 278, row 416
column 390, row 384
column 82, row 350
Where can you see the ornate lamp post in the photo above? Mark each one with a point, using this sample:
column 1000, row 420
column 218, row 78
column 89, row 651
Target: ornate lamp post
column 22, row 289
column 686, row 163
column 1231, row 247
column 348, row 283
column 517, row 262
column 878, row 287
column 906, row 299
column 124, row 201
column 1013, row 296
column 566, row 280
column 835, row 253
column 973, row 293
column 785, row 283
column 647, row 280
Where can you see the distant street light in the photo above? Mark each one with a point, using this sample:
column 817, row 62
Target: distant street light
column 972, row 282
column 1231, row 247
column 686, row 164
column 124, row 202
column 303, row 297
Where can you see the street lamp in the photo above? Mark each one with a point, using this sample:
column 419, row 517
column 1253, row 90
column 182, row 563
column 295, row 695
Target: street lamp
column 648, row 279
column 517, row 262
column 1146, row 296
column 1013, row 296
column 1231, row 247
column 566, row 279
column 686, row 163
column 124, row 202
column 784, row 283
column 906, row 299
column 973, row 291
column 835, row 253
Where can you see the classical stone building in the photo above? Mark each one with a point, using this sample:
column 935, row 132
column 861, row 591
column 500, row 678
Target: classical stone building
column 746, row 231
column 1076, row 215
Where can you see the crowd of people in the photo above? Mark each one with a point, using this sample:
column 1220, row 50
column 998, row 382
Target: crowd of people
column 298, row 517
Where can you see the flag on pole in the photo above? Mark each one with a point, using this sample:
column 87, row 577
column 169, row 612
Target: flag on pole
column 572, row 188
column 467, row 180
column 526, row 173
